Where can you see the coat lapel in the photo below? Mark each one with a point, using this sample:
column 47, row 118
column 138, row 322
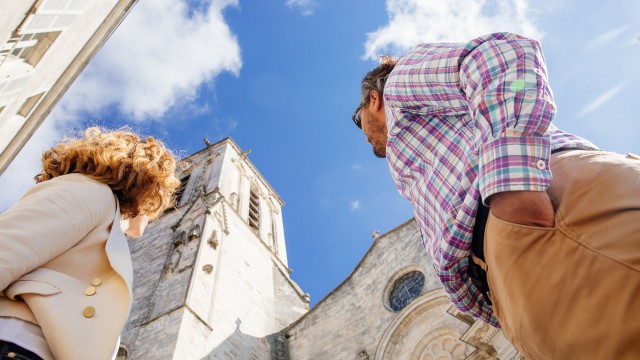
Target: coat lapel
column 117, row 250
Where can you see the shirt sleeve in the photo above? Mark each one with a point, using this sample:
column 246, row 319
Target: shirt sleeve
column 48, row 220
column 505, row 81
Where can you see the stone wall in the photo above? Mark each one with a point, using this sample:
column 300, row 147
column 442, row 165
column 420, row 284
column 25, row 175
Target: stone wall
column 355, row 321
column 207, row 285
column 352, row 318
column 149, row 255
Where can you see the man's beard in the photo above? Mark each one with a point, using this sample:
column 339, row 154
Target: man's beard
column 380, row 153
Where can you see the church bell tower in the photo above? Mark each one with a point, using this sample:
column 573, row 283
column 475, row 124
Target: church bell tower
column 211, row 277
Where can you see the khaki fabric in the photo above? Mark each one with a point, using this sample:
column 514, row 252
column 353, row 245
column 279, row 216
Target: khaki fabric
column 573, row 291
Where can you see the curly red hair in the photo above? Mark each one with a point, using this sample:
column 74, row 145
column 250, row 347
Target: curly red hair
column 141, row 173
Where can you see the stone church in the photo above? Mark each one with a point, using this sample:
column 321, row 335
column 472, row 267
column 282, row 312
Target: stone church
column 212, row 282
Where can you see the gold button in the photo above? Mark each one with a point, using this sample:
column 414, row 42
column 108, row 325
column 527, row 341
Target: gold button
column 96, row 282
column 89, row 311
column 90, row 291
column 11, row 354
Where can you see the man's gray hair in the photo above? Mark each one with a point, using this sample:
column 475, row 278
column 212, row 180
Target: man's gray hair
column 376, row 78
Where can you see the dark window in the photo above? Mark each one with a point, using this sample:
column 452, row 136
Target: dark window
column 122, row 354
column 405, row 290
column 180, row 190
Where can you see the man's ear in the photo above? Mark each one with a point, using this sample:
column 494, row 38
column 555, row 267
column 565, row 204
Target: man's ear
column 376, row 99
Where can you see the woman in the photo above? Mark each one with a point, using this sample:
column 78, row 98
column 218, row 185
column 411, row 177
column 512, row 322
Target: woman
column 65, row 267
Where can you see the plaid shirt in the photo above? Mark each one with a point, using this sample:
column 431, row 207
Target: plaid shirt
column 467, row 121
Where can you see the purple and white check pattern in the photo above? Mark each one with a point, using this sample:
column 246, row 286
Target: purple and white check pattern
column 467, row 121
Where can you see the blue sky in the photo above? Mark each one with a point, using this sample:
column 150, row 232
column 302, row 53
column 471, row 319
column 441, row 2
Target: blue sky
column 282, row 78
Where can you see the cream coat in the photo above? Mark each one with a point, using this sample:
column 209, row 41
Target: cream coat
column 54, row 242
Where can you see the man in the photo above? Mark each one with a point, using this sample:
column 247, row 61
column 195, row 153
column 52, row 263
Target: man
column 465, row 126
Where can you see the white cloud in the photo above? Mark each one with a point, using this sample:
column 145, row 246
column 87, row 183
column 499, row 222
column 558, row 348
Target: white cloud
column 416, row 21
column 306, row 7
column 600, row 100
column 605, row 38
column 357, row 167
column 355, row 205
column 157, row 58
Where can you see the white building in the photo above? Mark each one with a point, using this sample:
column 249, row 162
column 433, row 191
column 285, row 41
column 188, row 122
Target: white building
column 211, row 277
column 44, row 45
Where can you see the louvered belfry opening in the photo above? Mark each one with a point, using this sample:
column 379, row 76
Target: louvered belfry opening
column 179, row 193
column 254, row 210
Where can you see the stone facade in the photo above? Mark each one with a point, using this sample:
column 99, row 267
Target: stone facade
column 356, row 320
column 211, row 276
column 212, row 282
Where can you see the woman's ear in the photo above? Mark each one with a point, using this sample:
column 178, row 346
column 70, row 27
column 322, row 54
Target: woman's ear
column 124, row 223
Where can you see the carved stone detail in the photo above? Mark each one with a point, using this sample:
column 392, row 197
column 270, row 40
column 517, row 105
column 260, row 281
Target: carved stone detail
column 213, row 240
column 446, row 347
column 208, row 268
column 194, row 233
column 221, row 216
column 176, row 253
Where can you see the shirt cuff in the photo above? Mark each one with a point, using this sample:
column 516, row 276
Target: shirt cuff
column 514, row 164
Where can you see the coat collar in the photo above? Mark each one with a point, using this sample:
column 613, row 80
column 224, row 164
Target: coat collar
column 118, row 252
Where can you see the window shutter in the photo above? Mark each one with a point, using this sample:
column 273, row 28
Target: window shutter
column 13, row 84
column 254, row 210
column 53, row 15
